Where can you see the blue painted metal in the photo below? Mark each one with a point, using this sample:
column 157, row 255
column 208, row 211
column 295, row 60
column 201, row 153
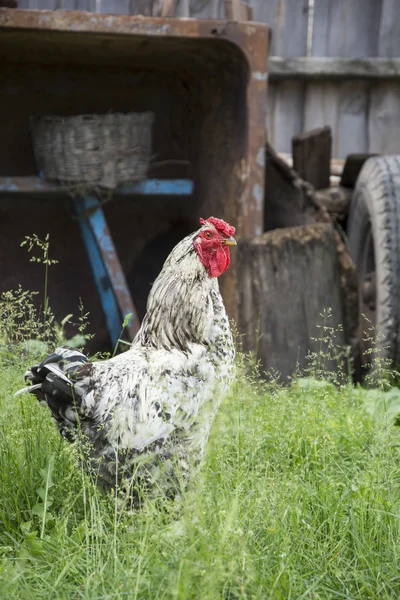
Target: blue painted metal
column 99, row 227
column 102, row 281
column 152, row 187
column 159, row 187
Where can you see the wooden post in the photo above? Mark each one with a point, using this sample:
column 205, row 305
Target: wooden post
column 237, row 10
column 312, row 156
column 287, row 279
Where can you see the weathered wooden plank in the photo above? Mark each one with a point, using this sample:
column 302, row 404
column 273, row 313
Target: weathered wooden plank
column 384, row 119
column 289, row 26
column 265, row 11
column 321, row 106
column 352, row 128
column 384, row 108
column 346, row 28
column 286, row 201
column 312, row 156
column 89, row 5
column 287, row 118
column 389, row 30
column 115, row 7
column 141, row 7
column 287, row 278
column 207, row 9
column 352, row 168
column 314, row 68
column 270, row 116
column 238, row 10
column 40, row 4
column 288, row 19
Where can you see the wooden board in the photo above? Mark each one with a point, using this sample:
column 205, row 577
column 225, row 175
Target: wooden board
column 286, row 203
column 321, row 104
column 328, row 68
column 384, row 110
column 237, row 10
column 346, row 28
column 389, row 30
column 312, row 156
column 352, row 117
column 286, row 119
column 287, row 278
column 384, row 119
column 343, row 105
column 289, row 22
column 352, row 168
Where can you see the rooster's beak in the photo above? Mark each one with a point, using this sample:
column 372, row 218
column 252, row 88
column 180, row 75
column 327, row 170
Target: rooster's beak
column 230, row 241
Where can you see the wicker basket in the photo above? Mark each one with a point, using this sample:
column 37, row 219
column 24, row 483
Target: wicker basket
column 93, row 150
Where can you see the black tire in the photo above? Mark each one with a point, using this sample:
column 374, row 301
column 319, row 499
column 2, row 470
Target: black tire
column 373, row 232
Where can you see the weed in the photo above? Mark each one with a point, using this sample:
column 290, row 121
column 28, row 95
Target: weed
column 33, row 242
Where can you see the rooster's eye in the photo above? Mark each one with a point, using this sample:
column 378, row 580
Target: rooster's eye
column 208, row 235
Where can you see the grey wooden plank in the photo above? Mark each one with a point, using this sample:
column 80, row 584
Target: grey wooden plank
column 384, row 119
column 115, row 7
column 290, row 28
column 321, row 104
column 346, row 28
column 141, row 7
column 337, row 68
column 207, row 9
column 287, row 115
column 352, row 127
column 343, row 28
column 384, row 113
column 40, row 4
column 265, row 11
column 88, row 5
column 288, row 20
column 270, row 117
column 184, row 8
column 352, row 168
column 311, row 152
column 389, row 31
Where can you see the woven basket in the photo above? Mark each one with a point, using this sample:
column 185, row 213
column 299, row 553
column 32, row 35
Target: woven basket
column 93, row 150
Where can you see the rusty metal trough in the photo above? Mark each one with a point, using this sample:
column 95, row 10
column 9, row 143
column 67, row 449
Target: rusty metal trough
column 206, row 83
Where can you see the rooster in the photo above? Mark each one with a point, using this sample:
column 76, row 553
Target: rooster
column 147, row 413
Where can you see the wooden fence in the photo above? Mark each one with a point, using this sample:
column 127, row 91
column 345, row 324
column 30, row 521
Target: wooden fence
column 359, row 99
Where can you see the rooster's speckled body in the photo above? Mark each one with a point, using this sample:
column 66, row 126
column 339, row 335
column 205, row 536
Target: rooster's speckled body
column 147, row 412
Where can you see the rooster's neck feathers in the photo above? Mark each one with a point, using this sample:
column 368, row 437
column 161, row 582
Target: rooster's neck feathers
column 180, row 307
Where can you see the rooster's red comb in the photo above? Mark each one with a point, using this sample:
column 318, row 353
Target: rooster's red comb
column 220, row 225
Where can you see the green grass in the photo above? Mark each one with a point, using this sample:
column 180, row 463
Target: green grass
column 299, row 497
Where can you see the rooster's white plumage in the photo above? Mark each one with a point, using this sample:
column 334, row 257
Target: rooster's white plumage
column 147, row 413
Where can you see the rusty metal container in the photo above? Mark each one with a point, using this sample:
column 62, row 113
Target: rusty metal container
column 205, row 82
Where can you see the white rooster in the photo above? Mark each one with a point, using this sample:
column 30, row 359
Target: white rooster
column 147, row 413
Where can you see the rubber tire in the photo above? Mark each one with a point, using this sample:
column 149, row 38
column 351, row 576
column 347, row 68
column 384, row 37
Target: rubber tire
column 375, row 208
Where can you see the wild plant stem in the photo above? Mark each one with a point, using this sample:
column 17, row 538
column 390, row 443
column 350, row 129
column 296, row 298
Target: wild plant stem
column 45, row 307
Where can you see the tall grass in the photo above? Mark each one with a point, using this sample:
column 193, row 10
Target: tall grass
column 299, row 497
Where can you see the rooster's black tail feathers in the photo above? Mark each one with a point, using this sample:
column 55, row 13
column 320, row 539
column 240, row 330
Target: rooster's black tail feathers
column 61, row 379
